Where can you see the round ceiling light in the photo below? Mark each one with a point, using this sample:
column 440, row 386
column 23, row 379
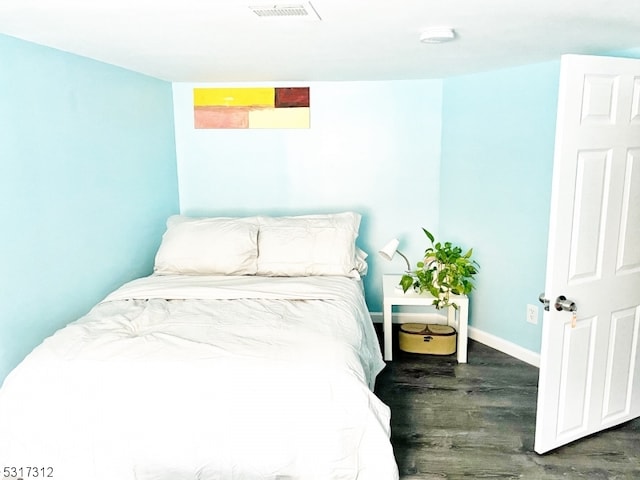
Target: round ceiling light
column 437, row 35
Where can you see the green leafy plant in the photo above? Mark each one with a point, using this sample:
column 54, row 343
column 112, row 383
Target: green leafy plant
column 445, row 270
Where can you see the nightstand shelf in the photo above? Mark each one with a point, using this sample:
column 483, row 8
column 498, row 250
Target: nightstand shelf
column 396, row 297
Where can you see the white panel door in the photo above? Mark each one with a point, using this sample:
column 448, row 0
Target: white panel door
column 589, row 365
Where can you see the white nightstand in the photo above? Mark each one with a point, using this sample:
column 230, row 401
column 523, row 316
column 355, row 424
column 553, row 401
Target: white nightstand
column 395, row 296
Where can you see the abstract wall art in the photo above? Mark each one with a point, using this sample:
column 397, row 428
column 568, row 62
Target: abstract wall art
column 242, row 107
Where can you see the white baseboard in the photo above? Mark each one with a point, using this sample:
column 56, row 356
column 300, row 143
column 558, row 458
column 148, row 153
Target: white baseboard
column 500, row 344
column 504, row 346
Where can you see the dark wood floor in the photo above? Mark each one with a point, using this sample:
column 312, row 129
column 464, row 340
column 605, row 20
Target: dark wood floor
column 477, row 420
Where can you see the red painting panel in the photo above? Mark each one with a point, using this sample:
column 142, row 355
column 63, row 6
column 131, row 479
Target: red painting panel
column 292, row 97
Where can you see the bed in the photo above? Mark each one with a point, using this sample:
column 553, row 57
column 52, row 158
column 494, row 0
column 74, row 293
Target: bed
column 248, row 354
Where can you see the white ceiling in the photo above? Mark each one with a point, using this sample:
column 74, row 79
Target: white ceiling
column 224, row 41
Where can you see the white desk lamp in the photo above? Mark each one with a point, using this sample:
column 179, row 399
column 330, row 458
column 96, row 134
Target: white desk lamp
column 390, row 249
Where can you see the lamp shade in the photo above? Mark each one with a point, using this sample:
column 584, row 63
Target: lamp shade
column 390, row 249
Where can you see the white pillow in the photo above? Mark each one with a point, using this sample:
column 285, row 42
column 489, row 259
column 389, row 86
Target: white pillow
column 208, row 246
column 308, row 245
column 361, row 262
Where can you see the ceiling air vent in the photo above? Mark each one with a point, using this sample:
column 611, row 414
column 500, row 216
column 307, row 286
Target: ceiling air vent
column 297, row 10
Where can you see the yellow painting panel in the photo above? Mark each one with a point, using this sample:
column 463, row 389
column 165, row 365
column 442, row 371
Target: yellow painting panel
column 280, row 118
column 234, row 97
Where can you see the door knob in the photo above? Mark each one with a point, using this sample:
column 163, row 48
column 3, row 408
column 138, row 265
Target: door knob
column 563, row 304
column 544, row 301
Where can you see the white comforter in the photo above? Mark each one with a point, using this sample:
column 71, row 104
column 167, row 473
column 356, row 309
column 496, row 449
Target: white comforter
column 225, row 378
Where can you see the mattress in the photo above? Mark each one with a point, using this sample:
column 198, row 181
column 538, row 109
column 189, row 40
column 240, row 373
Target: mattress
column 205, row 377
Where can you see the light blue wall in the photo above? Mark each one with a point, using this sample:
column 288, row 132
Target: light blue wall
column 373, row 147
column 87, row 179
column 629, row 53
column 497, row 160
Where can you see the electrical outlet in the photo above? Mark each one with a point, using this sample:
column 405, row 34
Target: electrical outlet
column 532, row 314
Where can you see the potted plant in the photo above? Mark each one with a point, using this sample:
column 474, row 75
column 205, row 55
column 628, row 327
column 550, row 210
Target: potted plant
column 445, row 270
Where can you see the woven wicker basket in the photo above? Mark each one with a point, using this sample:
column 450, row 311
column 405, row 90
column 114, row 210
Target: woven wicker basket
column 430, row 339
